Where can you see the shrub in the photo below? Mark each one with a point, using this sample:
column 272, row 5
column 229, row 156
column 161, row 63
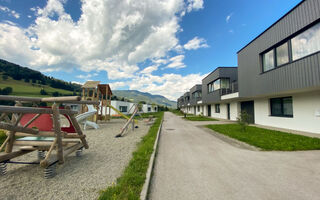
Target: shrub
column 43, row 92
column 243, row 120
column 55, row 94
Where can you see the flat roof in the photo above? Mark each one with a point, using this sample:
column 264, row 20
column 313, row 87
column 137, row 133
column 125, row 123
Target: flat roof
column 216, row 69
column 272, row 25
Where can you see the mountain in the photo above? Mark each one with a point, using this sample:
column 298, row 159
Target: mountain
column 138, row 96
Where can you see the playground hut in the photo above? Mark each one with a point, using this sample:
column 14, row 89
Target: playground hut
column 94, row 91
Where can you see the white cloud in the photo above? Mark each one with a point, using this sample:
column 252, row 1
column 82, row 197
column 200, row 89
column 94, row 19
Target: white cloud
column 10, row 12
column 229, row 17
column 149, row 70
column 196, row 43
column 112, row 36
column 171, row 86
column 116, row 85
column 195, row 5
column 176, row 62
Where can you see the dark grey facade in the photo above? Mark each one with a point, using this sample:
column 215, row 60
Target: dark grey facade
column 186, row 99
column 220, row 72
column 195, row 89
column 300, row 74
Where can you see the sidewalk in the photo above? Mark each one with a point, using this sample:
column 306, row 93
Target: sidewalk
column 193, row 164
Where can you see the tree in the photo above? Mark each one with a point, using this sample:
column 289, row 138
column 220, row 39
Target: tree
column 6, row 91
column 43, row 92
column 55, row 94
column 26, row 80
column 5, row 77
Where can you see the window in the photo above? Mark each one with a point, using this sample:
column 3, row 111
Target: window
column 123, row 108
column 225, row 83
column 217, row 108
column 268, row 60
column 218, row 84
column 149, row 109
column 198, row 108
column 306, row 43
column 282, row 54
column 281, row 107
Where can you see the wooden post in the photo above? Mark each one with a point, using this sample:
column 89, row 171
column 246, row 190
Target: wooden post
column 98, row 106
column 57, row 130
column 15, row 120
column 78, row 130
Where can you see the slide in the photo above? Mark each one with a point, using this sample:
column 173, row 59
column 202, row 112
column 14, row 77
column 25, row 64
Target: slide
column 121, row 114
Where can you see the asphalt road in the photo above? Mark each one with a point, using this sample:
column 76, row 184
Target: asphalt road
column 193, row 164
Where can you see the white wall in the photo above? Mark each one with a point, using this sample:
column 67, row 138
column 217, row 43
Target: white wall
column 234, row 110
column 305, row 107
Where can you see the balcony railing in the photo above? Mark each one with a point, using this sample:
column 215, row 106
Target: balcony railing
column 234, row 88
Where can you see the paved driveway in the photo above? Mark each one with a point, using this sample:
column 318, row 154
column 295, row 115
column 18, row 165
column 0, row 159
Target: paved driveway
column 193, row 164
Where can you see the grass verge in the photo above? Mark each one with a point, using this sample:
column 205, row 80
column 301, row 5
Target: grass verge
column 130, row 184
column 199, row 118
column 268, row 139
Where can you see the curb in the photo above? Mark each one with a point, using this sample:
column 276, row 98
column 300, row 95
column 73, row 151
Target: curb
column 146, row 185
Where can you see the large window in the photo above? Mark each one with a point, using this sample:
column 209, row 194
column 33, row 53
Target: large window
column 196, row 94
column 268, row 60
column 306, row 43
column 218, row 84
column 123, row 108
column 217, row 108
column 282, row 54
column 281, row 107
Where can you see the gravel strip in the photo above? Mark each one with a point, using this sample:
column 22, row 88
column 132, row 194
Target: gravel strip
column 80, row 177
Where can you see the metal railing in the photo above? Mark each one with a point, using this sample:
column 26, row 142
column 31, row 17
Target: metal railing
column 233, row 88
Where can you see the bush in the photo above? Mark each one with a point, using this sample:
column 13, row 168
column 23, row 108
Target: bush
column 5, row 77
column 43, row 92
column 55, row 94
column 6, row 91
column 243, row 120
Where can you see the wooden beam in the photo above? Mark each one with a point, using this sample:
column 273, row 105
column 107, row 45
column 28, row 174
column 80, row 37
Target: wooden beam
column 10, row 127
column 12, row 109
column 31, row 120
column 57, row 131
column 8, row 156
column 61, row 99
column 66, row 152
column 17, row 98
column 9, row 145
column 79, row 131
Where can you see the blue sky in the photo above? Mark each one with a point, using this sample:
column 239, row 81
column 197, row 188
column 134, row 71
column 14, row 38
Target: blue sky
column 161, row 47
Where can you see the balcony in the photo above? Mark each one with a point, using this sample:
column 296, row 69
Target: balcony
column 233, row 89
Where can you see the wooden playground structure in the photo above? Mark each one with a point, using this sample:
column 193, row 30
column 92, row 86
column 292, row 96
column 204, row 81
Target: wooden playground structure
column 94, row 91
column 39, row 129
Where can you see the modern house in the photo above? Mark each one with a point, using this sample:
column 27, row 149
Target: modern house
column 215, row 86
column 195, row 100
column 279, row 71
column 277, row 81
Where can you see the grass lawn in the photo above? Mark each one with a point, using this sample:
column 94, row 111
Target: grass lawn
column 268, row 139
column 130, row 184
column 20, row 88
column 199, row 118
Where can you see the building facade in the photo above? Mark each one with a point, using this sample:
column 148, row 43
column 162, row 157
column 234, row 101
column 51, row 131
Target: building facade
column 277, row 81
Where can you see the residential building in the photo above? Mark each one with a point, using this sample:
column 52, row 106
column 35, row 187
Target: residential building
column 220, row 82
column 279, row 71
column 277, row 81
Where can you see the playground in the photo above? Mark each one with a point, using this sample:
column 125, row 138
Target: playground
column 79, row 177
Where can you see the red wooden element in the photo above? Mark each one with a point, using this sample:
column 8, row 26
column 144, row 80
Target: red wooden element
column 45, row 123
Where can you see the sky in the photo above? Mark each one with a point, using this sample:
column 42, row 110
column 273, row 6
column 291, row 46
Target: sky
column 158, row 46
